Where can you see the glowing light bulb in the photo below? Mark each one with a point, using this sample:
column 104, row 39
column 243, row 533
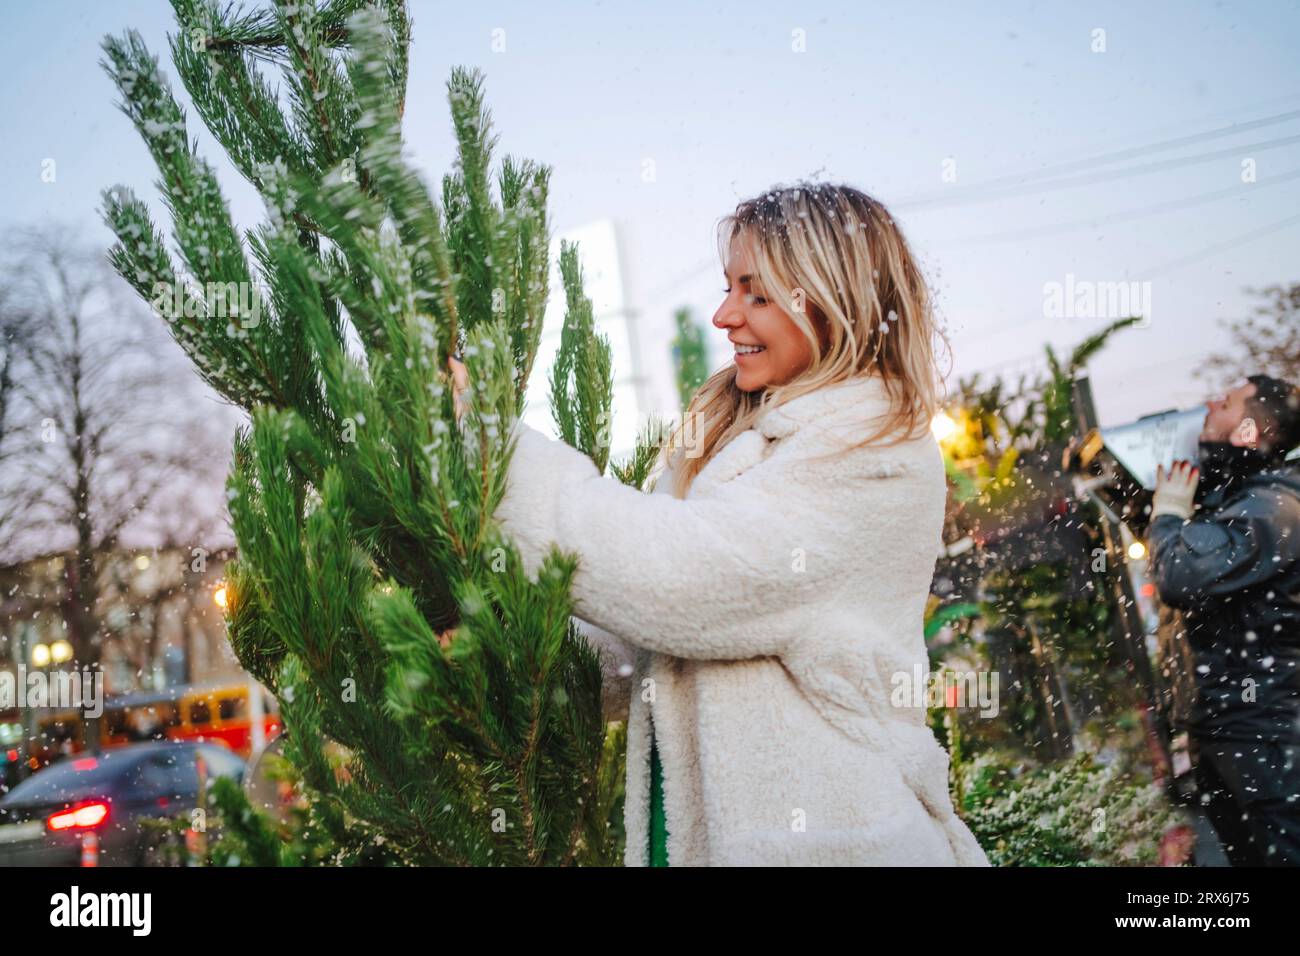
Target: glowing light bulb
column 943, row 426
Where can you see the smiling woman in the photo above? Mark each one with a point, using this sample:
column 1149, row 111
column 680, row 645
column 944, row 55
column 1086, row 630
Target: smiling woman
column 778, row 575
column 821, row 286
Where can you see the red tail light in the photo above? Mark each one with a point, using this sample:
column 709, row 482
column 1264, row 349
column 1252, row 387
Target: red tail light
column 83, row 816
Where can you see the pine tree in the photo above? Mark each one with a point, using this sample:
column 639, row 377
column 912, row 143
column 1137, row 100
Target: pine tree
column 373, row 592
column 690, row 356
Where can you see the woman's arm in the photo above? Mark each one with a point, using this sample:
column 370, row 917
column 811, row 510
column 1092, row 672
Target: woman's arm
column 722, row 577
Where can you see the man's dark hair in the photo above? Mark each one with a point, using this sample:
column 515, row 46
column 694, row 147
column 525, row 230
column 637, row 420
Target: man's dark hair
column 1276, row 408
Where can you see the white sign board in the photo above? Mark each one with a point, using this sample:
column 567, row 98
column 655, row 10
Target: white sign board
column 1156, row 440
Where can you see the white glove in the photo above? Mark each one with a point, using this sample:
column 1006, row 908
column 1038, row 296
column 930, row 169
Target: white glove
column 1176, row 491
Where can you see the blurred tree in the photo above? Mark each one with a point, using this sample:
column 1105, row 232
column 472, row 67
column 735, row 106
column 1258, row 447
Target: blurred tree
column 690, row 356
column 1266, row 341
column 104, row 437
column 1042, row 622
column 15, row 345
column 1029, row 602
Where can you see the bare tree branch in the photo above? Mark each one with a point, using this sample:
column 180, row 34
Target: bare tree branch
column 103, row 431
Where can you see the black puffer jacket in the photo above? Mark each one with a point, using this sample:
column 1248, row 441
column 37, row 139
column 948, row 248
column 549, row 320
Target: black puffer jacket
column 1234, row 571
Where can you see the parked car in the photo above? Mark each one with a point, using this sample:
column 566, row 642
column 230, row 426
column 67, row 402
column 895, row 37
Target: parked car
column 93, row 805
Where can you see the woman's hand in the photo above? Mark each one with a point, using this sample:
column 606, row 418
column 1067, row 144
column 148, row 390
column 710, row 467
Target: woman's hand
column 459, row 383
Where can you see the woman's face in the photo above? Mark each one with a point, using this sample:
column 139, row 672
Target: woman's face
column 750, row 320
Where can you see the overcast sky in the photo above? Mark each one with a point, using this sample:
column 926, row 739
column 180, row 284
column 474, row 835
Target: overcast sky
column 726, row 99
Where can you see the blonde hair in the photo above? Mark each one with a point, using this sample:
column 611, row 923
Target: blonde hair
column 830, row 254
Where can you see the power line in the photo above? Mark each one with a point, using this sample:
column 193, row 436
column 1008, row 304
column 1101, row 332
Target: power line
column 1234, row 115
column 947, row 198
column 1070, row 182
column 1155, row 209
column 1116, row 156
column 1174, row 264
column 710, row 263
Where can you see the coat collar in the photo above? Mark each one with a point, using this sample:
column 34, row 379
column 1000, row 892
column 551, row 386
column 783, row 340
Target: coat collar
column 825, row 416
column 853, row 403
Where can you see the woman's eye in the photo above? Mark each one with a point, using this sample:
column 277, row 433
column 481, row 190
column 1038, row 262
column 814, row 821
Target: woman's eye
column 753, row 299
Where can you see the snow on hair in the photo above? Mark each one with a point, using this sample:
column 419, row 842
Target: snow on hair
column 841, row 253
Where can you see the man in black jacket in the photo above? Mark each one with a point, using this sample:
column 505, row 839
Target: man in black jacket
column 1229, row 559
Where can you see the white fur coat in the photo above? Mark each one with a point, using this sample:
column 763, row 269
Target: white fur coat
column 761, row 619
